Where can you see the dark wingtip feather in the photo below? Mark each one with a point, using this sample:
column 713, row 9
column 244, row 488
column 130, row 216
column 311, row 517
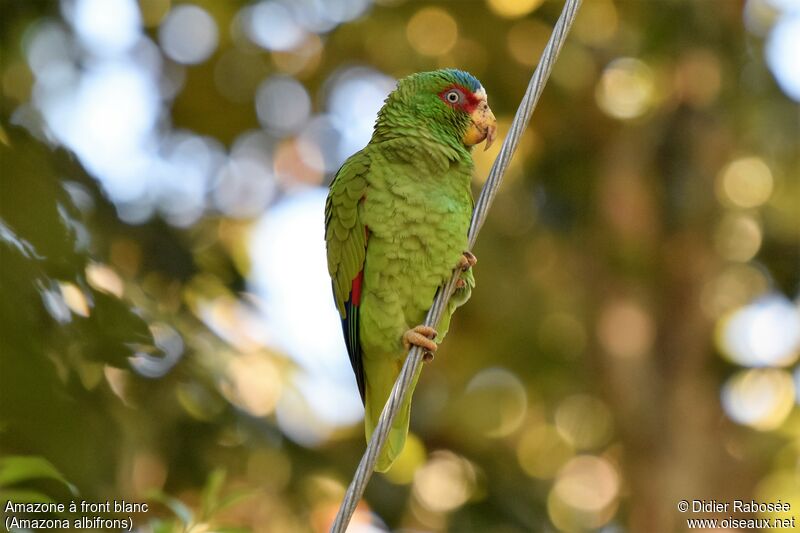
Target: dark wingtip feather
column 350, row 329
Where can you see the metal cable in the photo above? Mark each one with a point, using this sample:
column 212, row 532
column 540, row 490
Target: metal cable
column 414, row 358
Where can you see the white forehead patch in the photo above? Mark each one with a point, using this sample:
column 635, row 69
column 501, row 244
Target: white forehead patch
column 481, row 93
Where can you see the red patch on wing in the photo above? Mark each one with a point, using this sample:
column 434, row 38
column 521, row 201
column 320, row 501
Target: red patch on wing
column 355, row 291
column 468, row 104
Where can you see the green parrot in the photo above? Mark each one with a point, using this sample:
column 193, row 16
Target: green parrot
column 396, row 222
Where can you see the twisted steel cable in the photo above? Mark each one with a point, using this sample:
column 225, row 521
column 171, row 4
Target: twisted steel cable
column 414, row 358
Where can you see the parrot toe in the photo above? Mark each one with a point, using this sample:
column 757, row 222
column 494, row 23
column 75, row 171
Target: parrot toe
column 421, row 336
column 467, row 261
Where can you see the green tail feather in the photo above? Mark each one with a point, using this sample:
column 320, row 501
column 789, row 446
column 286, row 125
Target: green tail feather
column 379, row 386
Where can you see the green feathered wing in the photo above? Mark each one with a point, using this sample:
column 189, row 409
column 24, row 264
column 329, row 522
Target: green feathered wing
column 346, row 241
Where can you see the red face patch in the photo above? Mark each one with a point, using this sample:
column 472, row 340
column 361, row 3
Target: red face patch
column 459, row 97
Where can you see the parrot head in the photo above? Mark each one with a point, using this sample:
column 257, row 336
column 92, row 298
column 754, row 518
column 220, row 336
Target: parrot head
column 449, row 103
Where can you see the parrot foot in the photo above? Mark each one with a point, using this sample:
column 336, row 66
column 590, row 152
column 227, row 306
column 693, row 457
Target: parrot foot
column 421, row 336
column 460, row 283
column 467, row 261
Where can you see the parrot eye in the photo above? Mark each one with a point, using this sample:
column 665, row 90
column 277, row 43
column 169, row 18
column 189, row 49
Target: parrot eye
column 452, row 96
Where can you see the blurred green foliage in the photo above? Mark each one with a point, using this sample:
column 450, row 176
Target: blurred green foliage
column 579, row 388
column 15, row 470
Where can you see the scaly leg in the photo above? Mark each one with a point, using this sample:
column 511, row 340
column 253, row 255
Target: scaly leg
column 421, row 336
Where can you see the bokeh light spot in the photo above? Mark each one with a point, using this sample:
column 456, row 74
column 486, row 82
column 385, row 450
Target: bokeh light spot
column 445, row 482
column 282, row 104
column 107, row 27
column 585, row 494
column 48, row 47
column 597, row 22
column 783, row 54
column 355, row 95
column 272, row 25
column 244, row 187
column 626, row 89
column 584, row 421
column 745, row 182
column 761, row 398
column 188, row 35
column 765, row 332
column 495, row 402
column 513, row 8
column 738, row 237
column 432, row 31
column 587, row 483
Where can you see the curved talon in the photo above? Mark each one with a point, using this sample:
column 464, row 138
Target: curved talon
column 467, row 261
column 421, row 336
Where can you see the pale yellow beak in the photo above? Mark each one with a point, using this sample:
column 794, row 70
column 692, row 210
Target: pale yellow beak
column 483, row 127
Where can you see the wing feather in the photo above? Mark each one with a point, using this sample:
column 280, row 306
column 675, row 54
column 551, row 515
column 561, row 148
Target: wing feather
column 346, row 241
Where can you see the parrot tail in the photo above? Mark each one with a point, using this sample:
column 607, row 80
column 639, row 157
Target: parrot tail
column 397, row 436
column 376, row 396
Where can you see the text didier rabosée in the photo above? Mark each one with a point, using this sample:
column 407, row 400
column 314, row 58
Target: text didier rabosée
column 740, row 506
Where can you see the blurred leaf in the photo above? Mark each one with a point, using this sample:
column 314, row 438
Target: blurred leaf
column 35, row 206
column 233, row 498
column 112, row 330
column 15, row 469
column 178, row 508
column 43, row 242
column 211, row 492
column 213, row 501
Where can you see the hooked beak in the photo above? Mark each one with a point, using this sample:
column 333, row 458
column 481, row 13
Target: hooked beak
column 483, row 126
